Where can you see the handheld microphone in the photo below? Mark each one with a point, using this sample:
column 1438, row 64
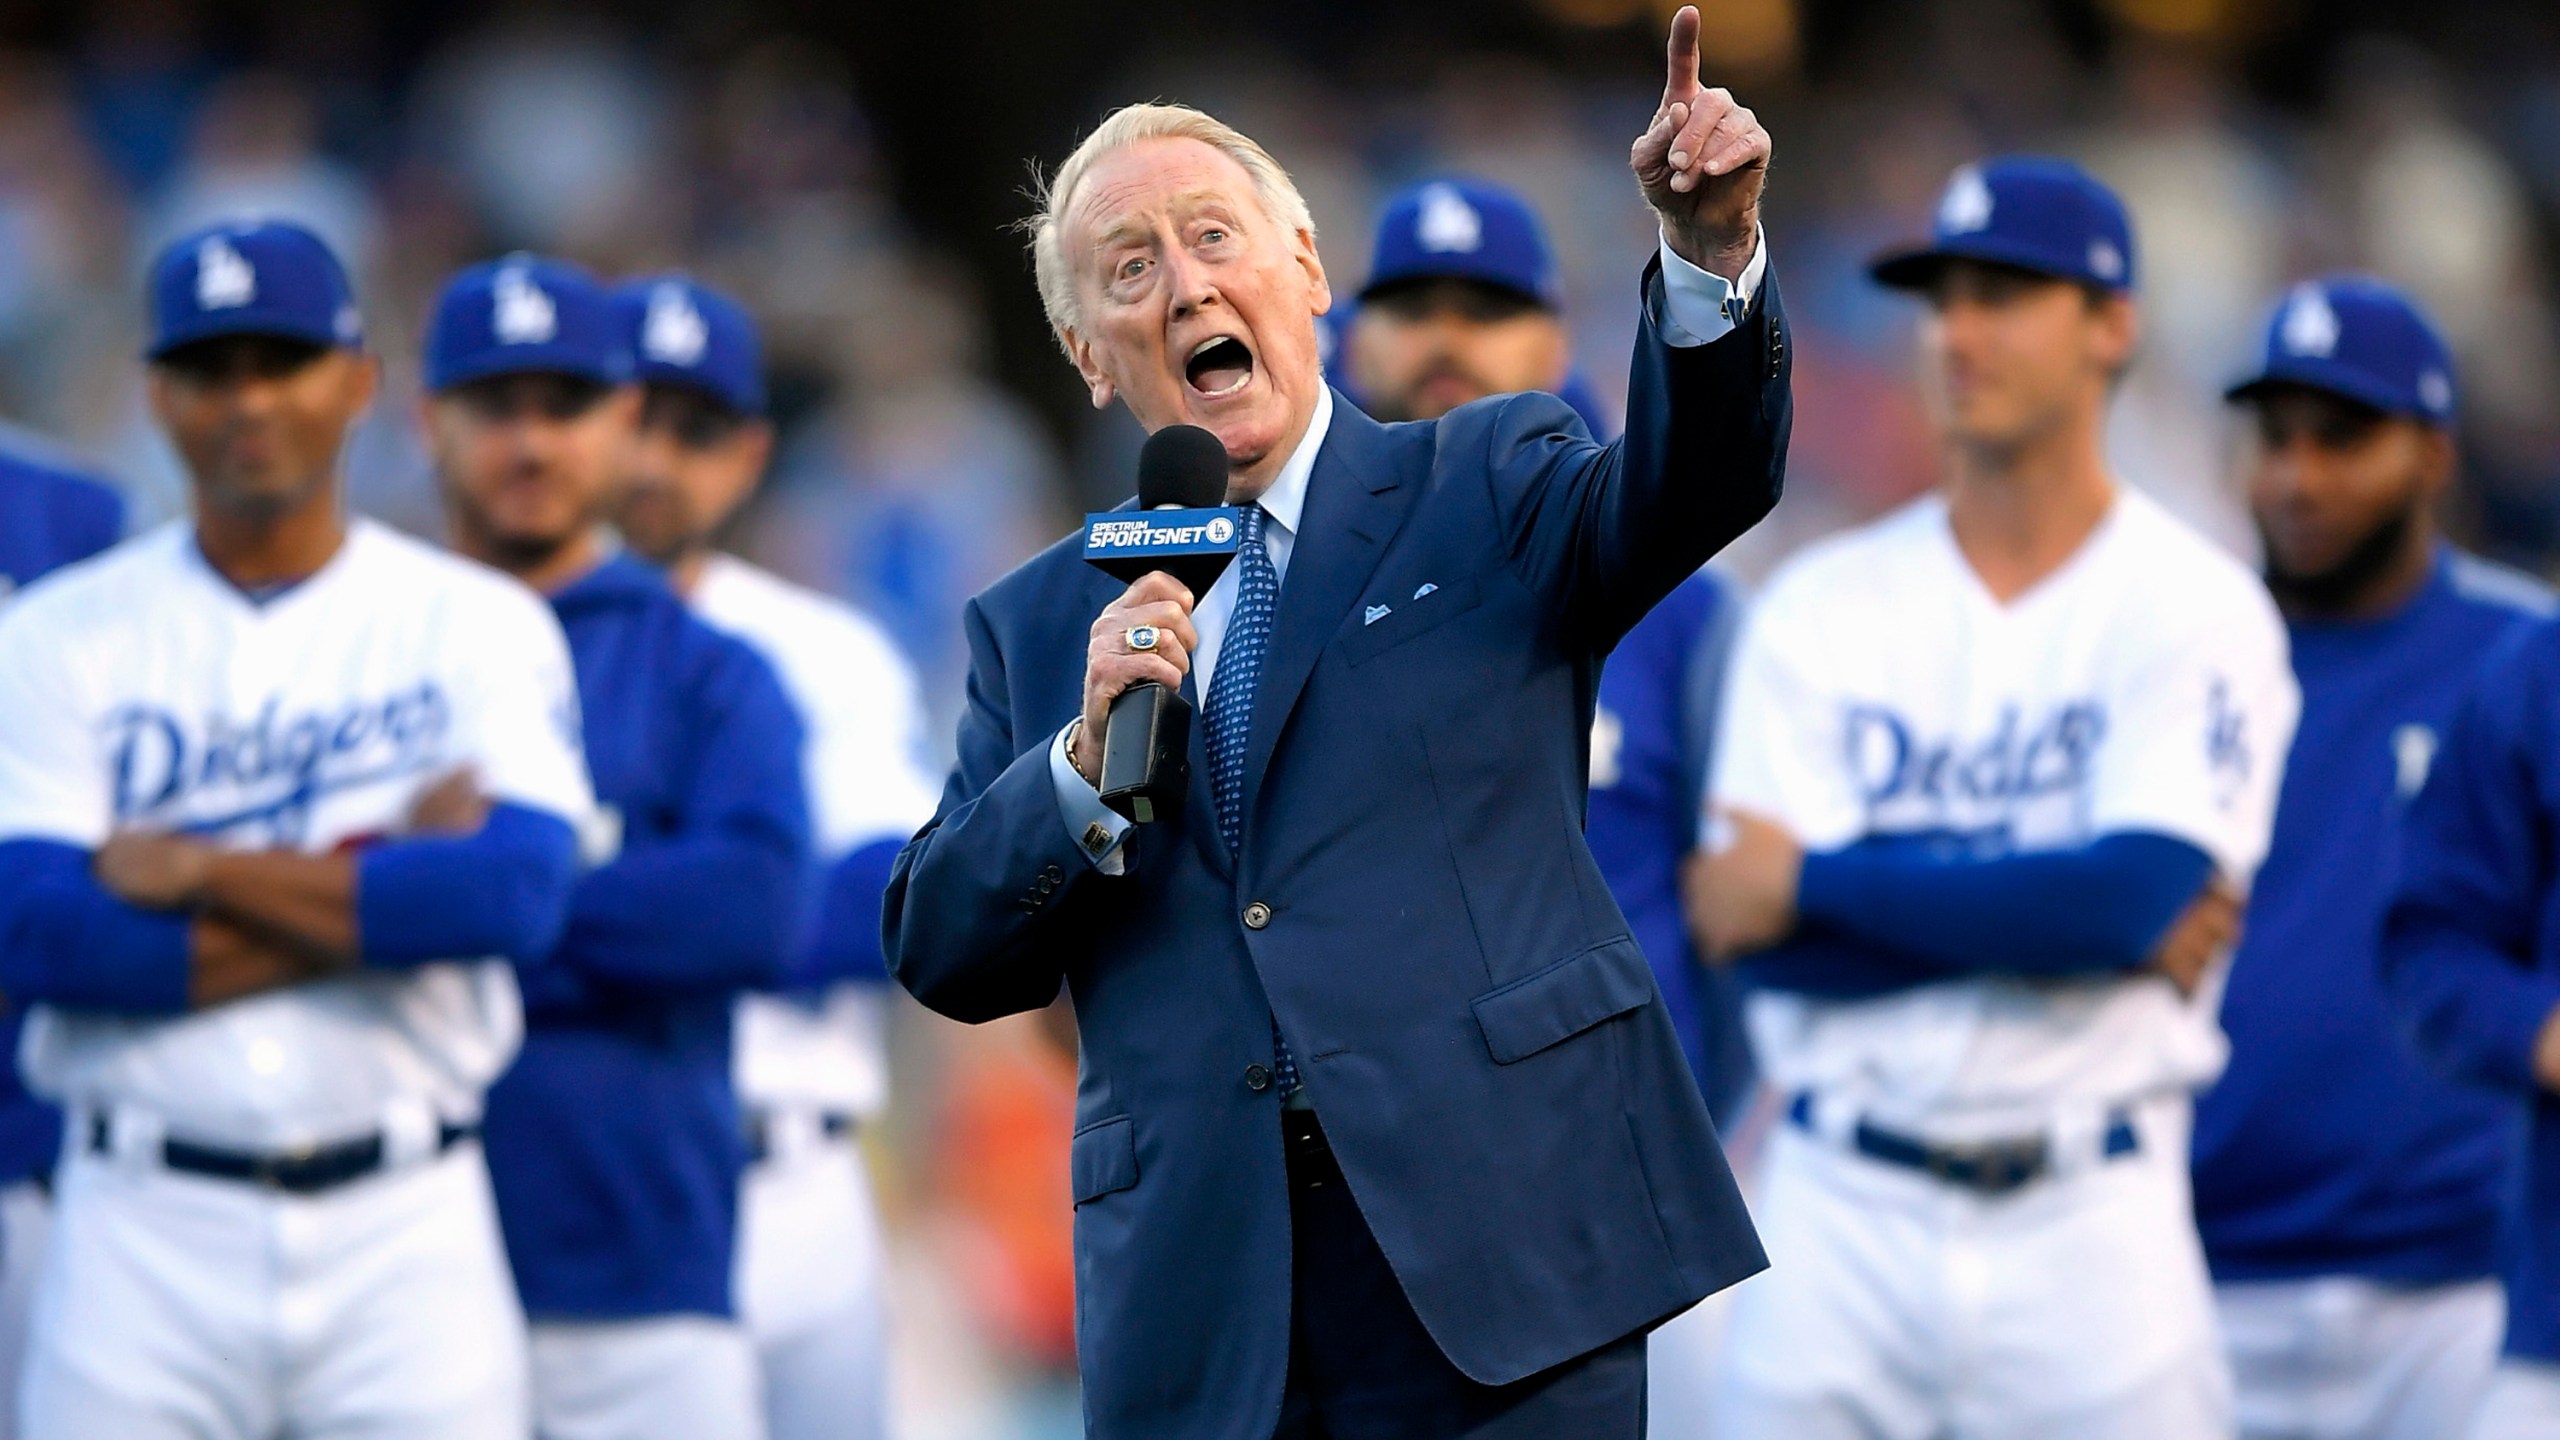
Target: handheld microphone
column 1182, row 527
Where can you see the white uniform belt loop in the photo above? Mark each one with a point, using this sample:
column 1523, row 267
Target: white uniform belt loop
column 789, row 1132
column 134, row 1134
column 411, row 1132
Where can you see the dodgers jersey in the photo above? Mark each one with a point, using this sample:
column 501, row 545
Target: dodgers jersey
column 147, row 692
column 1880, row 690
column 863, row 714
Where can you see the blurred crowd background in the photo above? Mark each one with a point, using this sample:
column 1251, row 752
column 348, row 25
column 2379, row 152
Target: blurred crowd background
column 851, row 170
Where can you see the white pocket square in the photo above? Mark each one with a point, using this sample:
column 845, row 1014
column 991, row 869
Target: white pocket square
column 1376, row 613
column 1427, row 588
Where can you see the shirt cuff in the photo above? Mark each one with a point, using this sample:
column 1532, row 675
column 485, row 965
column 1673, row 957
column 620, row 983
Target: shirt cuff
column 1100, row 832
column 1700, row 306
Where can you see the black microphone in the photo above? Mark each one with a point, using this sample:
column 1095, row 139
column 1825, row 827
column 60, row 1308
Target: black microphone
column 1183, row 527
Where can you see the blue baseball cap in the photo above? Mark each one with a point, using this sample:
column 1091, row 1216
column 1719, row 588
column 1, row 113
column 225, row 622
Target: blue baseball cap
column 2028, row 212
column 1459, row 229
column 525, row 314
column 261, row 277
column 683, row 332
column 2353, row 335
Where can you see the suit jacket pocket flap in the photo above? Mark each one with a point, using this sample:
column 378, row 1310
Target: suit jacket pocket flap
column 1563, row 1000
column 1411, row 618
column 1103, row 1158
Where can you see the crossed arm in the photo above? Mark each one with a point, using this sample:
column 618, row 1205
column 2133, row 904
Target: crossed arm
column 162, row 924
column 1885, row 914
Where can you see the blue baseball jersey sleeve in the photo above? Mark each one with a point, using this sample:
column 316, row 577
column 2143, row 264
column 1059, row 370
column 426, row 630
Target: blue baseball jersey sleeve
column 2328, row 1146
column 615, row 1146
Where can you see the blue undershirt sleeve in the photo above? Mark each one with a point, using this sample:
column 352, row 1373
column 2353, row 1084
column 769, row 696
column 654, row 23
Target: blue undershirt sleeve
column 503, row 890
column 2091, row 908
column 65, row 940
column 844, row 943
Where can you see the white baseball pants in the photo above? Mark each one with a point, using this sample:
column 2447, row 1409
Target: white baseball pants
column 175, row 1307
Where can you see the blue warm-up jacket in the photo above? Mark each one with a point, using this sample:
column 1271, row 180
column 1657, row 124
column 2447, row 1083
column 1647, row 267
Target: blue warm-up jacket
column 49, row 517
column 2471, row 950
column 2329, row 1146
column 615, row 1146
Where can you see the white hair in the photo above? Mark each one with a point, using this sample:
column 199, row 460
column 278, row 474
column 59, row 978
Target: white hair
column 1125, row 126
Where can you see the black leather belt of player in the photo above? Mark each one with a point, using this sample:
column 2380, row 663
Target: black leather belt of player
column 305, row 1171
column 1987, row 1167
column 833, row 1124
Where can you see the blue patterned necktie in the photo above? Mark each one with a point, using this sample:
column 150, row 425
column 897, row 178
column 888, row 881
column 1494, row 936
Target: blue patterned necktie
column 1230, row 717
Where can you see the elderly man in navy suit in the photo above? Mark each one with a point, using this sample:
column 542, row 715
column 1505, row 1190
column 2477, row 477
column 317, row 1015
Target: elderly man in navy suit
column 1382, row 1130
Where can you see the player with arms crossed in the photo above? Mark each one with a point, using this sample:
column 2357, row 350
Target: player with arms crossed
column 614, row 1143
column 2353, row 1240
column 812, row 1062
column 261, row 936
column 1993, row 770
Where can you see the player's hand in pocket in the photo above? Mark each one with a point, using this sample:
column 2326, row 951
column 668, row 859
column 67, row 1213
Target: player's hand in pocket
column 1740, row 889
column 453, row 805
column 2204, row 932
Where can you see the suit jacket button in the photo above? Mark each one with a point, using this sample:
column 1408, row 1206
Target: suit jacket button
column 1256, row 915
column 1257, row 1079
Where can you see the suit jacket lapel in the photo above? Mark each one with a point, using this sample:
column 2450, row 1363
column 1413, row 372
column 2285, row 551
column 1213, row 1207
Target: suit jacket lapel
column 1342, row 531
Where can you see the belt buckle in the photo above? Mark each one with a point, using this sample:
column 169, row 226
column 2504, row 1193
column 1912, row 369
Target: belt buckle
column 1994, row 1167
column 274, row 1170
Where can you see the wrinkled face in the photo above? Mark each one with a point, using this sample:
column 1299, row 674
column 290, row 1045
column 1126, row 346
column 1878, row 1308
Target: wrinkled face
column 1419, row 351
column 528, row 462
column 1195, row 306
column 2012, row 356
column 2332, row 479
column 693, row 464
column 258, row 421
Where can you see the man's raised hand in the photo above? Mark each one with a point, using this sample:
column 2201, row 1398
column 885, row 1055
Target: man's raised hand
column 1701, row 163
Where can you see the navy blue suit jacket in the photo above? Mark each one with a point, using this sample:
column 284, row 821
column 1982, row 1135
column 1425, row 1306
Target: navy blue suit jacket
column 1479, row 1032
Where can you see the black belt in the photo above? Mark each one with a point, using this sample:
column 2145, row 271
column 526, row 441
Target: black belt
column 1310, row 1155
column 833, row 1124
column 1988, row 1167
column 305, row 1171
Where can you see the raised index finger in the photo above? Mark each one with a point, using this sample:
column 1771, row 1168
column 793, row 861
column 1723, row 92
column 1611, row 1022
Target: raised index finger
column 1681, row 80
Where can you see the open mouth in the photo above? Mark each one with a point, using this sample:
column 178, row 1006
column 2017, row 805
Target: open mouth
column 1219, row 366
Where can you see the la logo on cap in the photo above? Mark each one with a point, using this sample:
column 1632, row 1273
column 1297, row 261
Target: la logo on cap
column 1966, row 207
column 520, row 313
column 673, row 331
column 2435, row 391
column 1448, row 224
column 224, row 278
column 2310, row 326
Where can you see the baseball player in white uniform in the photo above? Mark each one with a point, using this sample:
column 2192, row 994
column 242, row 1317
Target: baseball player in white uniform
column 260, row 929
column 1995, row 770
column 811, row 1063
